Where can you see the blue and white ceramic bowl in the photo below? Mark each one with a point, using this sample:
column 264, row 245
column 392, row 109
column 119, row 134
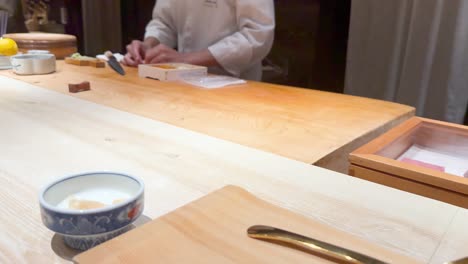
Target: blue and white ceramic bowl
column 115, row 199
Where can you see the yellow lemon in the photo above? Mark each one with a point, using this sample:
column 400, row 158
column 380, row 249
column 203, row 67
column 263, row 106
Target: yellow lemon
column 8, row 47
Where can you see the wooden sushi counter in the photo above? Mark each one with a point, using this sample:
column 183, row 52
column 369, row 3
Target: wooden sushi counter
column 46, row 135
column 311, row 126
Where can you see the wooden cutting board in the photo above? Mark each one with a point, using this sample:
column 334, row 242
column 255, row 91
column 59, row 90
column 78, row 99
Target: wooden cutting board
column 213, row 230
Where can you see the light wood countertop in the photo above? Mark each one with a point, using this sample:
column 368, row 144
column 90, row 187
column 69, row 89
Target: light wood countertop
column 45, row 135
column 311, row 126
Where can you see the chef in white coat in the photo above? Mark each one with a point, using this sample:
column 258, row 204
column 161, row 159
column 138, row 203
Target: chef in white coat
column 231, row 37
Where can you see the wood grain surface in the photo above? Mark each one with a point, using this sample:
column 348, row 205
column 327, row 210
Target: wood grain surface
column 408, row 185
column 302, row 124
column 213, row 229
column 46, row 135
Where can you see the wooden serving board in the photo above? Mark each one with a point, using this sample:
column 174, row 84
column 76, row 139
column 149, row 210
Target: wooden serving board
column 213, row 230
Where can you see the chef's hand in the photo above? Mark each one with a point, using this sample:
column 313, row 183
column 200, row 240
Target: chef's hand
column 135, row 53
column 162, row 53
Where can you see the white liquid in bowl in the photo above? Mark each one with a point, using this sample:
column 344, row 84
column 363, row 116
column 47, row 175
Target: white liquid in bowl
column 93, row 199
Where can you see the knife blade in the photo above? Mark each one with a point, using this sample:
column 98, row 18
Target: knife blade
column 283, row 237
column 113, row 63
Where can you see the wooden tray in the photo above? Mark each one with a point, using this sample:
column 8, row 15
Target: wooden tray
column 61, row 45
column 378, row 161
column 213, row 230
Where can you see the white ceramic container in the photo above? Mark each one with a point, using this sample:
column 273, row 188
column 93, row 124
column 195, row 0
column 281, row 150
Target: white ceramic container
column 29, row 64
column 5, row 62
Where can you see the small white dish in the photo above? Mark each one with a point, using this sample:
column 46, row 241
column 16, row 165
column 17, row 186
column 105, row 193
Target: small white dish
column 29, row 64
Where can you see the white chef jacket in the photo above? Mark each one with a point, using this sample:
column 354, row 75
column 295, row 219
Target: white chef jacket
column 238, row 33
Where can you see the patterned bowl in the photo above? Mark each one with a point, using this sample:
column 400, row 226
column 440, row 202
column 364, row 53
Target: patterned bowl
column 88, row 209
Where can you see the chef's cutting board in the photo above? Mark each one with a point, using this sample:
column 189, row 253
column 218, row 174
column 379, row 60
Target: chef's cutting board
column 213, row 230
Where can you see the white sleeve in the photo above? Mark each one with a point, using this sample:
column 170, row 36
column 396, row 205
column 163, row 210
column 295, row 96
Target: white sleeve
column 241, row 50
column 162, row 26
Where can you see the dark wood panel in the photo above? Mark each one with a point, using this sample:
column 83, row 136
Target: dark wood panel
column 16, row 21
column 135, row 15
column 332, row 44
column 74, row 24
column 102, row 27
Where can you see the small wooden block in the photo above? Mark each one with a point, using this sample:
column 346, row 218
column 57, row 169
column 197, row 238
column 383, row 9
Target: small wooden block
column 76, row 61
column 97, row 63
column 79, row 87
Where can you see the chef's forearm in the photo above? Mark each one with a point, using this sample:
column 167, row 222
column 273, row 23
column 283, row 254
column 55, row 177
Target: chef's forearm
column 151, row 42
column 204, row 58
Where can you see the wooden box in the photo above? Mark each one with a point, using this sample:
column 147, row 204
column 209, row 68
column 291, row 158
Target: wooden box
column 421, row 156
column 170, row 71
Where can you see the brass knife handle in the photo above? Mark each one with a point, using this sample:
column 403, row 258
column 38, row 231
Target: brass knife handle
column 273, row 234
column 458, row 261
